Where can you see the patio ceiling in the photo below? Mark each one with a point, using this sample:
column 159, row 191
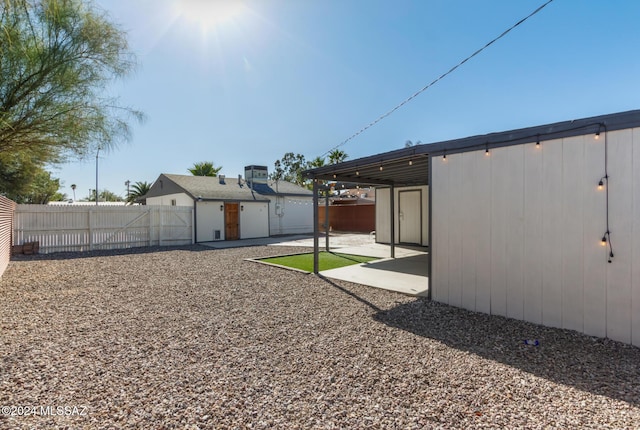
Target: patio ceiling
column 407, row 166
column 410, row 166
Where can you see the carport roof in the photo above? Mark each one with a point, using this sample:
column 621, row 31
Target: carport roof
column 410, row 166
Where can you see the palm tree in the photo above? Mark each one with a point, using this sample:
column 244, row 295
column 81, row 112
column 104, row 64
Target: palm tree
column 337, row 156
column 109, row 196
column 73, row 187
column 138, row 190
column 316, row 162
column 204, row 168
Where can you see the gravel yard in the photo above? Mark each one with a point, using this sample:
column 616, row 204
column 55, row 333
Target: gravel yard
column 194, row 337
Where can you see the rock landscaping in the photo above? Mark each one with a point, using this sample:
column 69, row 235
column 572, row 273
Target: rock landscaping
column 198, row 338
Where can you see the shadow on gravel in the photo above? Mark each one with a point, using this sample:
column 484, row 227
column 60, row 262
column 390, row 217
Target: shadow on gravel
column 599, row 366
column 350, row 293
column 109, row 252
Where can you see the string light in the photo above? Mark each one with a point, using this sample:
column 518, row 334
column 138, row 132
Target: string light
column 538, row 141
column 606, row 238
column 410, row 162
column 486, row 150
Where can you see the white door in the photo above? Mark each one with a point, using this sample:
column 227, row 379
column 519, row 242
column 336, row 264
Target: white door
column 410, row 216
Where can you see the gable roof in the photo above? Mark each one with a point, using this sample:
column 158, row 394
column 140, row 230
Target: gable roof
column 280, row 188
column 204, row 188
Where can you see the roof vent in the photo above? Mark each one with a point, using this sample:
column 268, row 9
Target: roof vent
column 240, row 181
column 221, row 178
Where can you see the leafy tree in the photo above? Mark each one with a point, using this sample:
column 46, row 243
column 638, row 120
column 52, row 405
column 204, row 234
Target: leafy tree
column 108, row 196
column 138, row 190
column 16, row 173
column 37, row 187
column 103, row 196
column 337, row 156
column 204, row 168
column 91, row 197
column 409, row 144
column 57, row 57
column 290, row 168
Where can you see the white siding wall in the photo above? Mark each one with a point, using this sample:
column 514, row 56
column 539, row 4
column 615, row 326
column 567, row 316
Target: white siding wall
column 209, row 218
column 6, row 230
column 181, row 200
column 383, row 232
column 517, row 233
column 291, row 215
column 254, row 220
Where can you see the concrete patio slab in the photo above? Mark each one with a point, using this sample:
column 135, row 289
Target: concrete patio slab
column 293, row 240
column 407, row 275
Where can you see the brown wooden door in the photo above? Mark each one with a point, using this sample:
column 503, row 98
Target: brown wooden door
column 232, row 221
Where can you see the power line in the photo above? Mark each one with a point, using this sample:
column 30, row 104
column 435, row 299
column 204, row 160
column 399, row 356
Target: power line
column 426, row 87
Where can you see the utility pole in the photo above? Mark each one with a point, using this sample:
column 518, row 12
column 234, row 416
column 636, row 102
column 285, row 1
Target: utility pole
column 97, row 153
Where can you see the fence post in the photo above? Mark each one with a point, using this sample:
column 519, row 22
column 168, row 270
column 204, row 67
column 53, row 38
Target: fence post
column 90, row 220
column 160, row 225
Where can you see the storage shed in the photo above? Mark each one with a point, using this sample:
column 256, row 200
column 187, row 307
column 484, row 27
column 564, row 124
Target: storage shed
column 540, row 224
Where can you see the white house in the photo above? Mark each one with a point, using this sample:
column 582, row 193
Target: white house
column 540, row 224
column 236, row 208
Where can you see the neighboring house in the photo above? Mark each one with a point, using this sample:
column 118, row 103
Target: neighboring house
column 351, row 209
column 352, row 196
column 234, row 208
column 540, row 224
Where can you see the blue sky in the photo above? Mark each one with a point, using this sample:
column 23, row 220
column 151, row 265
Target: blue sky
column 276, row 76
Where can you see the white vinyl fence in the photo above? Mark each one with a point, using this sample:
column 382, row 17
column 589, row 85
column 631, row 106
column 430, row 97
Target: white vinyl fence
column 85, row 228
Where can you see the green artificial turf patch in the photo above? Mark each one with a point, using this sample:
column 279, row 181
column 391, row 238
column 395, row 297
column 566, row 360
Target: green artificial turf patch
column 327, row 260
